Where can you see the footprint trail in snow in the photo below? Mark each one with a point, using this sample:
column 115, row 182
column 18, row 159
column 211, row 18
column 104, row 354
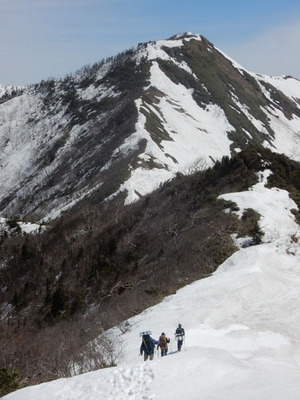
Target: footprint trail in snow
column 132, row 382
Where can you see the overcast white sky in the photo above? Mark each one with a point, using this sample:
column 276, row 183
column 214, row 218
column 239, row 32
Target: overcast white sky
column 51, row 38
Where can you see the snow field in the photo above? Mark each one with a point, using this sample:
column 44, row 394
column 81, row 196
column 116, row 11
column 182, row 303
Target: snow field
column 242, row 327
column 242, row 324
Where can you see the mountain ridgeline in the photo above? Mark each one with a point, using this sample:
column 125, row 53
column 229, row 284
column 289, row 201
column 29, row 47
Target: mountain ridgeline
column 129, row 123
column 123, row 164
column 100, row 264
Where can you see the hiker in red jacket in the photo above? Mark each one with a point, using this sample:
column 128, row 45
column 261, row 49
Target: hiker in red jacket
column 163, row 344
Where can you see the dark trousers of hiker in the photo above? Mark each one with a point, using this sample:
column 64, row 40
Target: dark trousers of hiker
column 148, row 355
column 179, row 344
column 163, row 352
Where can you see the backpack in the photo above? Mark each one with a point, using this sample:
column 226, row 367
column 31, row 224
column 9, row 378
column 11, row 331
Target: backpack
column 148, row 342
column 163, row 340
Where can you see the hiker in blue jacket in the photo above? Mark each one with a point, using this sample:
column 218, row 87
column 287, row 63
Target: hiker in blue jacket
column 179, row 336
column 148, row 347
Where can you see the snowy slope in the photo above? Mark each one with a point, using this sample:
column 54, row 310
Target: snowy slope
column 194, row 134
column 200, row 135
column 287, row 132
column 128, row 124
column 242, row 327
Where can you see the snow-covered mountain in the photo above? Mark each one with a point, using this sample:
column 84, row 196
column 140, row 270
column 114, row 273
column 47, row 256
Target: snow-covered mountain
column 241, row 324
column 120, row 128
column 131, row 122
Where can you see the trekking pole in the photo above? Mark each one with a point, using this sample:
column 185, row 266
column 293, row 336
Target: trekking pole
column 176, row 340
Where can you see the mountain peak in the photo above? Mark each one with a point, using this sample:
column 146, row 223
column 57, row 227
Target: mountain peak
column 185, row 35
column 129, row 123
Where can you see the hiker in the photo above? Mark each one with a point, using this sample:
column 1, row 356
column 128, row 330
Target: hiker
column 147, row 347
column 179, row 335
column 163, row 344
